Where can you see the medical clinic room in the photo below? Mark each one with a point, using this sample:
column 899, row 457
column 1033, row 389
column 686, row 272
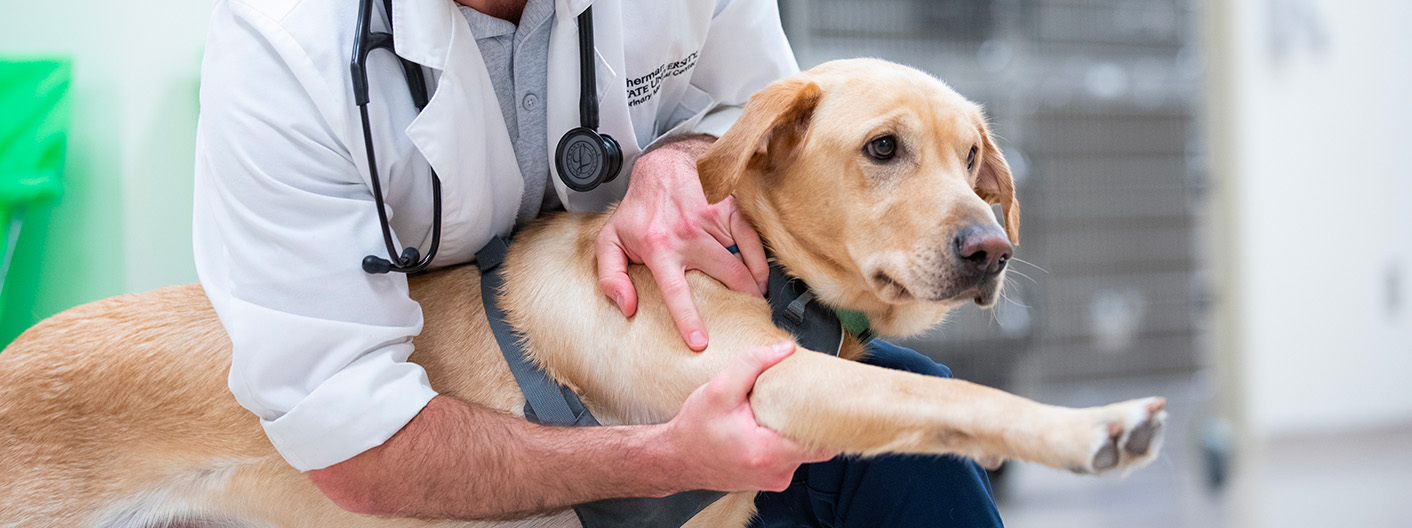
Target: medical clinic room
column 706, row 263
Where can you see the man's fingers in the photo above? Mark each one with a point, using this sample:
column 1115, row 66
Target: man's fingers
column 720, row 264
column 733, row 385
column 751, row 249
column 613, row 273
column 671, row 279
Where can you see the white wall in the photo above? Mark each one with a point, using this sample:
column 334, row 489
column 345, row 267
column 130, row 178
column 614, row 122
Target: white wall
column 1312, row 127
column 162, row 58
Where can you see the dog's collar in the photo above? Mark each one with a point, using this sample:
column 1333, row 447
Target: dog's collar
column 856, row 323
column 813, row 324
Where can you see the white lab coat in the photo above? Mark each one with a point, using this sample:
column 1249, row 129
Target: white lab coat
column 283, row 208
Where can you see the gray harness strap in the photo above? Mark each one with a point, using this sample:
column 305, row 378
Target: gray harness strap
column 547, row 402
column 671, row 511
column 793, row 308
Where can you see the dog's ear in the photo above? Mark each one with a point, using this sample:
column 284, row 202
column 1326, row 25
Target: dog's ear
column 995, row 185
column 773, row 124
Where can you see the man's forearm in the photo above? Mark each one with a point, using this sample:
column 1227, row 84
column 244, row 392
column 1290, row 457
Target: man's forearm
column 457, row 460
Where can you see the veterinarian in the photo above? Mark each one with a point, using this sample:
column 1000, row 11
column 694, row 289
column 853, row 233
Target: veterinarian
column 285, row 218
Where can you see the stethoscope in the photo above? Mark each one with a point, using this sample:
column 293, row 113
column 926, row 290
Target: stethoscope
column 584, row 158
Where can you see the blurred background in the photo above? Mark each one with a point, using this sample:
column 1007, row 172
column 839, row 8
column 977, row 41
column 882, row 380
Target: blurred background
column 1217, row 201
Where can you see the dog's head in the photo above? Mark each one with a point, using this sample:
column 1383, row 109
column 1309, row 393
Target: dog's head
column 872, row 182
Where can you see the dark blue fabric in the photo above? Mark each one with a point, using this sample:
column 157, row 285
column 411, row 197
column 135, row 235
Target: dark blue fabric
column 889, row 490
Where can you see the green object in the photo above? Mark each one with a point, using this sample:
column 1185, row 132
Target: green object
column 856, row 324
column 34, row 121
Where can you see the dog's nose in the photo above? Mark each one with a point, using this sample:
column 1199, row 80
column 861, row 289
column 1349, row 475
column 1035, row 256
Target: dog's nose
column 983, row 249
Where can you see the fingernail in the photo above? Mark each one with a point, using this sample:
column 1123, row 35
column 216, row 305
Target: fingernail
column 618, row 298
column 782, row 348
column 763, row 287
column 697, row 339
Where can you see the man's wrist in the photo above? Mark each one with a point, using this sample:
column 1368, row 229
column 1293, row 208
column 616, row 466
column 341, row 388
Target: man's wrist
column 693, row 145
column 672, row 160
column 663, row 461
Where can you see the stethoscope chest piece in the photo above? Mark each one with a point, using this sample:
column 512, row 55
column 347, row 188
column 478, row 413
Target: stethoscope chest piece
column 586, row 159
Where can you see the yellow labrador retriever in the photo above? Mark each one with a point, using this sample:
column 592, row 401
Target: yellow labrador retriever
column 868, row 180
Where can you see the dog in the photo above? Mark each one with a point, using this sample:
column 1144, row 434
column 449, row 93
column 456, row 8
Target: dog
column 870, row 181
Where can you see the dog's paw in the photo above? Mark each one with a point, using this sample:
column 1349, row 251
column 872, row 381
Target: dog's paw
column 1123, row 436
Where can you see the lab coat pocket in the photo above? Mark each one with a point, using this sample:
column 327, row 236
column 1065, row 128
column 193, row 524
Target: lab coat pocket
column 694, row 104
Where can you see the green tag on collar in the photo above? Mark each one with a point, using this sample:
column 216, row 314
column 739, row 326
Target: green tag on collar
column 856, row 324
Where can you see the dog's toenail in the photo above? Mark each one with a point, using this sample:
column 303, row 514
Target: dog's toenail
column 1157, row 405
column 1106, row 457
column 1141, row 438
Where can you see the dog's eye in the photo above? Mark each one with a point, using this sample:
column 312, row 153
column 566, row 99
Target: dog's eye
column 971, row 159
column 882, row 148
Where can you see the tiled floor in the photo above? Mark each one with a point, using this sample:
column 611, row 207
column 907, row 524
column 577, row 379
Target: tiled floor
column 1359, row 479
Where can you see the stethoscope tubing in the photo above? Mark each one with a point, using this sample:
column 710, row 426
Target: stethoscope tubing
column 609, row 153
column 410, row 261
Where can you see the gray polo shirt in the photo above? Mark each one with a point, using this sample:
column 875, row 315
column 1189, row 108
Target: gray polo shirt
column 517, row 58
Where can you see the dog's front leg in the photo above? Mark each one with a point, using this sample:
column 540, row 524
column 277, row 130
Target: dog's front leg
column 824, row 401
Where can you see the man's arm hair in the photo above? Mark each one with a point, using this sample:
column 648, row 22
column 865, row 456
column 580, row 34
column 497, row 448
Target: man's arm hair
column 457, row 460
column 694, row 144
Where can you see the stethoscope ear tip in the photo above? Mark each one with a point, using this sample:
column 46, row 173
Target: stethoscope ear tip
column 411, row 259
column 376, row 265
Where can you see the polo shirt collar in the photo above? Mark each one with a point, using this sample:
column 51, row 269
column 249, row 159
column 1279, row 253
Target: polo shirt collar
column 424, row 28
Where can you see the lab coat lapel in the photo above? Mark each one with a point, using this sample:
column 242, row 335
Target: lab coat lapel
column 563, row 113
column 423, row 31
column 461, row 132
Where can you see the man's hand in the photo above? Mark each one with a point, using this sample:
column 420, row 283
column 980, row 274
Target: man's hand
column 665, row 223
column 723, row 446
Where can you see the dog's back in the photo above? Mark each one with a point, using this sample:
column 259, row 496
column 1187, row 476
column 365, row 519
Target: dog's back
column 69, row 397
